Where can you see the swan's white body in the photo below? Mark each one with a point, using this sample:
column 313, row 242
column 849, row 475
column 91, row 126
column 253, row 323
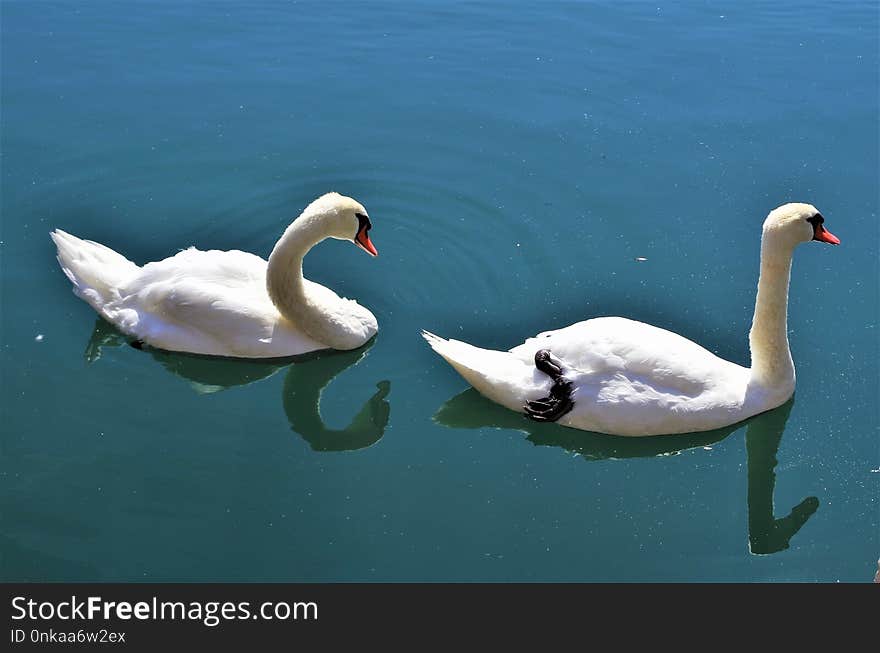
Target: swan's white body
column 226, row 303
column 630, row 378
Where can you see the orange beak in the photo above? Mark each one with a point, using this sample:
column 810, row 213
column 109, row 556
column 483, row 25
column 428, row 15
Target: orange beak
column 363, row 241
column 821, row 234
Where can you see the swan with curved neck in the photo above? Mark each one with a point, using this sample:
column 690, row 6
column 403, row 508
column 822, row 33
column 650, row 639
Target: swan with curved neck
column 617, row 376
column 229, row 303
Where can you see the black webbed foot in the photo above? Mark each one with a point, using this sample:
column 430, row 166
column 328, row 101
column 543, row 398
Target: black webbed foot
column 137, row 344
column 559, row 402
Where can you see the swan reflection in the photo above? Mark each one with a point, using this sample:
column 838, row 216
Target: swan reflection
column 302, row 399
column 303, row 386
column 767, row 534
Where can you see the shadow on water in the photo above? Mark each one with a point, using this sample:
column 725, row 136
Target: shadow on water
column 307, row 378
column 763, row 435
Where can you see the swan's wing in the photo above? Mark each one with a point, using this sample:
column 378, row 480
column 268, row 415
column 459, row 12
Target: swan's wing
column 235, row 269
column 212, row 303
column 203, row 289
column 611, row 347
column 630, row 378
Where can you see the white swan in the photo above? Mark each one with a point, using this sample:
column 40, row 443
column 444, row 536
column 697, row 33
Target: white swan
column 229, row 303
column 617, row 376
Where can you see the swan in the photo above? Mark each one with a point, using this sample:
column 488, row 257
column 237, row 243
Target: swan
column 621, row 377
column 230, row 303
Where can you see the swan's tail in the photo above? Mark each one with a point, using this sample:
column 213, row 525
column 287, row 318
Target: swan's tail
column 498, row 375
column 96, row 271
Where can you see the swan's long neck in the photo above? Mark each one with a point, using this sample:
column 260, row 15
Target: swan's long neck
column 284, row 277
column 772, row 367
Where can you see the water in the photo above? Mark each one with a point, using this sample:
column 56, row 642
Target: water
column 517, row 160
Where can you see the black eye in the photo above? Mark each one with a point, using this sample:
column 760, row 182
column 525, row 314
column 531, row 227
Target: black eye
column 816, row 219
column 363, row 221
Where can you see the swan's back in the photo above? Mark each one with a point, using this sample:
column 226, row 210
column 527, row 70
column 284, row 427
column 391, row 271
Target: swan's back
column 233, row 269
column 632, row 378
column 626, row 377
column 611, row 346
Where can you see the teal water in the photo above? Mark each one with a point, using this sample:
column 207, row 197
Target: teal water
column 516, row 159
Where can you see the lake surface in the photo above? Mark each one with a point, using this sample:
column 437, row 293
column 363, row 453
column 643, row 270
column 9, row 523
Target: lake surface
column 518, row 161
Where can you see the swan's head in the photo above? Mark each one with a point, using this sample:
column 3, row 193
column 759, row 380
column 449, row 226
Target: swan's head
column 343, row 218
column 797, row 223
